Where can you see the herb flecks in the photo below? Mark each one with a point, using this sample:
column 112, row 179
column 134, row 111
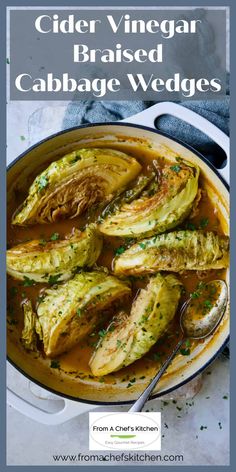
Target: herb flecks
column 55, row 364
column 190, row 226
column 204, row 222
column 102, row 333
column 76, row 159
column 143, row 245
column 42, row 182
column 119, row 250
column 208, row 304
column 53, row 279
column 185, row 352
column 28, row 282
column 79, row 312
column 55, row 236
column 176, row 168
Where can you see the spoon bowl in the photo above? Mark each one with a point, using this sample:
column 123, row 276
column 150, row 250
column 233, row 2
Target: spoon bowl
column 199, row 317
column 202, row 313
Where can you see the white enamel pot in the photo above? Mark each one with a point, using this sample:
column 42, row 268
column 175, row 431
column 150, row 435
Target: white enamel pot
column 137, row 132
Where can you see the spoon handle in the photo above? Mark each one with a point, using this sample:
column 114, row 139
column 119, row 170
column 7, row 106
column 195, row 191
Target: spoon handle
column 140, row 402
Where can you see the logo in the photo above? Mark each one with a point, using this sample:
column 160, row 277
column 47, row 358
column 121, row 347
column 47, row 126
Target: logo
column 125, row 431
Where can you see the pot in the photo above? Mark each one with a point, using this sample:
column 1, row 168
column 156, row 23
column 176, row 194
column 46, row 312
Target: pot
column 137, row 132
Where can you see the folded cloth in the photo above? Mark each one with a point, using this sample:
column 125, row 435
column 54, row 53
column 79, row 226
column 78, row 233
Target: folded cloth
column 216, row 111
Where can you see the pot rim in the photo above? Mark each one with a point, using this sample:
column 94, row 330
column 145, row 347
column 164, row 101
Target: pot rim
column 112, row 123
column 208, row 163
column 124, row 402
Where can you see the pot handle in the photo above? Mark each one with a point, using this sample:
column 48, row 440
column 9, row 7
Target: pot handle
column 71, row 410
column 148, row 117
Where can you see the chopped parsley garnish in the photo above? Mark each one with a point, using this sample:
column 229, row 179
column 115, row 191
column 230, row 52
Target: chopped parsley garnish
column 207, row 304
column 176, row 168
column 204, row 222
column 131, row 382
column 28, row 282
column 190, row 226
column 118, row 342
column 111, row 328
column 55, row 236
column 76, row 159
column 42, row 242
column 53, row 279
column 142, row 245
column 102, row 333
column 79, row 312
column 119, row 250
column 185, row 352
column 55, row 364
column 201, row 285
column 42, row 182
column 40, row 298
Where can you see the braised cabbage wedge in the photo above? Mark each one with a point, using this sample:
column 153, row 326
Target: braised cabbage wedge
column 129, row 337
column 70, row 311
column 163, row 210
column 29, row 336
column 75, row 182
column 175, row 251
column 57, row 260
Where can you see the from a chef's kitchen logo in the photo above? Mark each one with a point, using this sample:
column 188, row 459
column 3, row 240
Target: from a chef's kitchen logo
column 124, row 431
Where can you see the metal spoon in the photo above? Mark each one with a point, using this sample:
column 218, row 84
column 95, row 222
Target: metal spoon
column 199, row 317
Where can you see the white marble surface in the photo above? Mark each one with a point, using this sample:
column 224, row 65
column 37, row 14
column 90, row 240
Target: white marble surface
column 30, row 443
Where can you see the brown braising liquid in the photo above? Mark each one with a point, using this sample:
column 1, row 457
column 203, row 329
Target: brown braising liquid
column 76, row 361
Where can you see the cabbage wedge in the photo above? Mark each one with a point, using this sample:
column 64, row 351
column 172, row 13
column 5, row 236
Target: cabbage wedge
column 54, row 261
column 129, row 337
column 29, row 336
column 70, row 311
column 167, row 208
column 175, row 252
column 72, row 184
